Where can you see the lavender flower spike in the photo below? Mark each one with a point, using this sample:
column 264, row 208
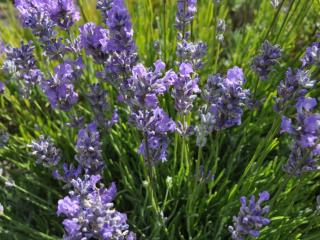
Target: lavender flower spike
column 250, row 218
column 64, row 13
column 89, row 153
column 21, row 65
column 312, row 55
column 94, row 40
column 60, row 89
column 263, row 64
column 304, row 131
column 45, row 151
column 186, row 10
column 225, row 98
column 185, row 88
column 121, row 46
column 90, row 213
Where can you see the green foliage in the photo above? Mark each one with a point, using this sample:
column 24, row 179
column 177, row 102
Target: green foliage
column 244, row 160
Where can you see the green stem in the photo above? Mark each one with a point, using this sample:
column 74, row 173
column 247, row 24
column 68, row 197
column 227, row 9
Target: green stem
column 27, row 230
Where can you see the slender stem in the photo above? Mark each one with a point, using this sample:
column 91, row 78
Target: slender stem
column 27, row 229
column 279, row 191
column 198, row 163
column 216, row 152
column 217, row 58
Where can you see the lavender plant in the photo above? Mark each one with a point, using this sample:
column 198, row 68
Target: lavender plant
column 130, row 93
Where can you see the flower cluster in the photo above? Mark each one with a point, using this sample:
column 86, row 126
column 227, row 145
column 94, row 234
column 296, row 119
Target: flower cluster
column 45, row 151
column 60, row 89
column 120, row 45
column 251, row 217
column 312, row 55
column 21, row 65
column 89, row 153
column 294, row 86
column 64, row 13
column 144, row 88
column 90, row 213
column 191, row 52
column 224, row 101
column 186, row 10
column 304, row 130
column 220, row 29
column 43, row 16
column 67, row 173
column 226, row 97
column 188, row 51
column 264, row 63
column 94, row 40
column 185, row 88
column 155, row 125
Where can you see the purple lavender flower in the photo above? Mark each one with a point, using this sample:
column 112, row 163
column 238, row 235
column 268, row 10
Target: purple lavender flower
column 294, row 85
column 64, row 13
column 204, row 175
column 39, row 14
column 98, row 101
column 188, row 51
column 250, row 218
column 304, row 130
column 155, row 125
column 34, row 14
column 67, row 173
column 89, row 153
column 2, row 87
column 225, row 98
column 312, row 55
column 76, row 122
column 21, row 64
column 42, row 16
column 60, row 95
column 55, row 49
column 90, row 213
column 60, row 89
column 186, row 10
column 121, row 46
column 94, row 39
column 191, row 52
column 220, row 29
column 45, row 151
column 185, row 88
column 143, row 89
column 144, row 85
column 264, row 63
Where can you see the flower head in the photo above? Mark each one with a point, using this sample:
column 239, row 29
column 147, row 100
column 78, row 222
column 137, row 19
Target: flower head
column 21, row 65
column 304, row 131
column 312, row 55
column 89, row 153
column 90, row 213
column 225, row 98
column 250, row 218
column 94, row 39
column 263, row 64
column 64, row 13
column 45, row 151
column 185, row 88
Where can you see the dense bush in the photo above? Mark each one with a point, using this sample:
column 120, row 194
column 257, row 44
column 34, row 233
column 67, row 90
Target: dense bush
column 159, row 119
